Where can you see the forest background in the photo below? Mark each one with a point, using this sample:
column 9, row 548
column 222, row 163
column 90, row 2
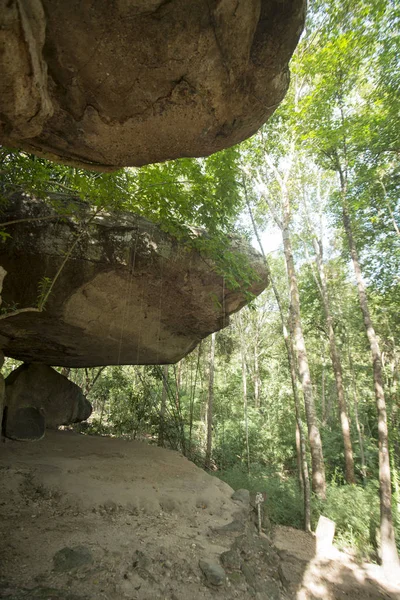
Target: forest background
column 299, row 396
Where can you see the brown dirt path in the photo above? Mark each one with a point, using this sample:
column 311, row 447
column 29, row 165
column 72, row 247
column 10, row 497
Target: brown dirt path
column 333, row 577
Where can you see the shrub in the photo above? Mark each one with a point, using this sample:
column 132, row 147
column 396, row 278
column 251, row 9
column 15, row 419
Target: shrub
column 354, row 509
column 284, row 504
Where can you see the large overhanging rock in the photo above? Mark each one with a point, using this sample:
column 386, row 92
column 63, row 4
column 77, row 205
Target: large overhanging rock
column 105, row 84
column 123, row 292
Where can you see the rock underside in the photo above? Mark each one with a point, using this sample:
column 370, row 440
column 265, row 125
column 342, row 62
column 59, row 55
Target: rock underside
column 102, row 85
column 123, row 291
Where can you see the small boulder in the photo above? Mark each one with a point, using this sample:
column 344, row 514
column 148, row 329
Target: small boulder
column 231, row 559
column 25, row 424
column 242, row 496
column 235, row 526
column 37, row 396
column 213, row 572
column 67, row 558
column 291, row 573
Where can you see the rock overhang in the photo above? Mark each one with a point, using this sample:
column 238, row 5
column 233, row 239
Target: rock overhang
column 128, row 293
column 103, row 85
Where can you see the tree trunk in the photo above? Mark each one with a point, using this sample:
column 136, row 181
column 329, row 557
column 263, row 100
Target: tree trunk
column 244, row 381
column 357, row 419
column 161, row 426
column 390, row 559
column 298, row 458
column 317, row 459
column 256, row 376
column 323, row 403
column 292, row 369
column 192, row 396
column 336, row 364
column 66, row 371
column 207, row 461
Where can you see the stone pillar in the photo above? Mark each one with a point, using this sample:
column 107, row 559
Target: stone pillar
column 324, row 536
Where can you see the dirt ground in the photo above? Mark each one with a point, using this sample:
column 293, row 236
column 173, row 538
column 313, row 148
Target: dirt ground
column 331, row 577
column 97, row 518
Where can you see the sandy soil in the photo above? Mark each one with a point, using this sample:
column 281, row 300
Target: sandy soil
column 146, row 515
column 139, row 519
column 331, row 577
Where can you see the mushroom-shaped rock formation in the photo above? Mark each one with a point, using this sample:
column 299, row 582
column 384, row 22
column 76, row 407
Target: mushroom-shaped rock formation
column 122, row 291
column 107, row 84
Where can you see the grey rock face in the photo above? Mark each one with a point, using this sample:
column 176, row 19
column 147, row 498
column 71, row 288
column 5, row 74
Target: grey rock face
column 213, row 572
column 67, row 558
column 242, row 496
column 25, row 424
column 231, row 559
column 128, row 294
column 131, row 83
column 38, row 397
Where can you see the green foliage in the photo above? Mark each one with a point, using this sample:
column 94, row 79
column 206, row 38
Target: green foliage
column 355, row 511
column 283, row 505
column 179, row 196
column 44, row 288
column 336, row 134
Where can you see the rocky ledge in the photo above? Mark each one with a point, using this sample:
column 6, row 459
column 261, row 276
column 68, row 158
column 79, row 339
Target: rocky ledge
column 103, row 85
column 122, row 290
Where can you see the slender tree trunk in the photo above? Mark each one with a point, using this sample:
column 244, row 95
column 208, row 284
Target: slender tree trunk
column 161, row 426
column 298, row 457
column 336, row 364
column 302, row 440
column 90, row 382
column 292, row 369
column 179, row 417
column 256, row 376
column 317, row 459
column 244, row 382
column 390, row 559
column 102, row 410
column 323, row 403
column 192, row 396
column 210, row 404
column 357, row 419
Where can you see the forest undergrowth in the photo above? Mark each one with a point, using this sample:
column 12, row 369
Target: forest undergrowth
column 304, row 384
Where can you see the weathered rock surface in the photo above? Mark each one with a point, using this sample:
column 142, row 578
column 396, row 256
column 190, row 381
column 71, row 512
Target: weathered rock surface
column 24, row 424
column 242, row 496
column 67, row 558
column 213, row 572
column 141, row 81
column 128, row 293
column 38, row 397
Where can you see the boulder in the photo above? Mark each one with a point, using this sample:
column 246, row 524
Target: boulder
column 102, row 85
column 123, row 291
column 68, row 559
column 213, row 572
column 242, row 496
column 37, row 397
